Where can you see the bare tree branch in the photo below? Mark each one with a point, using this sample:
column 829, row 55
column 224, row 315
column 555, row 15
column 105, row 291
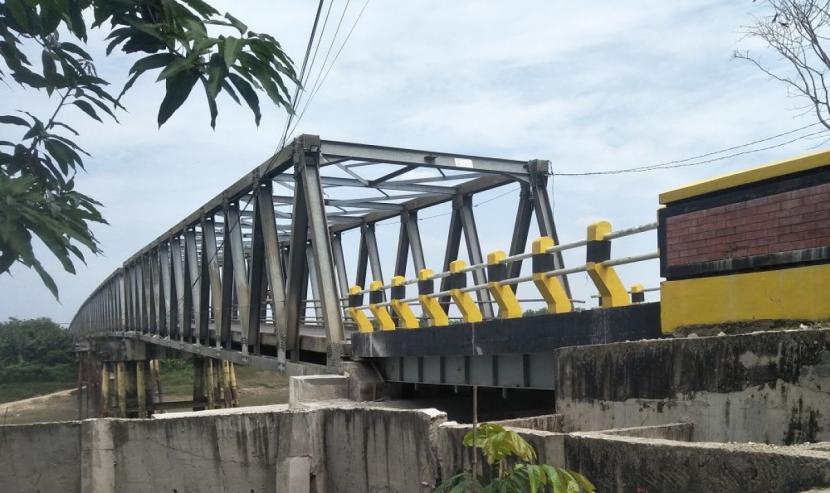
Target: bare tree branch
column 796, row 31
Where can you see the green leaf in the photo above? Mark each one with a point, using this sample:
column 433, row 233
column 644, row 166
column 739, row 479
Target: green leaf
column 50, row 70
column 61, row 124
column 217, row 71
column 248, row 94
column 152, row 61
column 232, row 47
column 76, row 19
column 20, row 12
column 87, row 108
column 14, row 120
column 46, row 278
column 178, row 89
column 211, row 99
column 229, row 90
column 201, row 8
column 178, row 65
column 584, row 483
column 239, row 25
column 77, row 50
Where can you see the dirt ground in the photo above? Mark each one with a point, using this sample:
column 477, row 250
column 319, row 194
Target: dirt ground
column 256, row 388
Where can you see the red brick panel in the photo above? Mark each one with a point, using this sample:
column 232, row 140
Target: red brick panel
column 774, row 223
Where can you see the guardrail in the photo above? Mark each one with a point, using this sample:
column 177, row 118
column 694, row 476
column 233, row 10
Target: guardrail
column 599, row 266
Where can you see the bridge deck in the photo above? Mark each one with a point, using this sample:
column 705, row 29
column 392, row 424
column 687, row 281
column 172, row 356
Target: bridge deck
column 500, row 353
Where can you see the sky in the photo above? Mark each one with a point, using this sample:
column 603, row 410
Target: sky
column 588, row 87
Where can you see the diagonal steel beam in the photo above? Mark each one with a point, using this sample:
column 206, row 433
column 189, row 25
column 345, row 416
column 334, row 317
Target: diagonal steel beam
column 471, row 238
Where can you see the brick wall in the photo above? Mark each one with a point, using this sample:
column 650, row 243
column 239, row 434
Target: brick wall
column 775, row 223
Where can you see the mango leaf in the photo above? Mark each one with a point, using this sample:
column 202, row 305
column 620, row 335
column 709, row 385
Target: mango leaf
column 13, row 120
column 239, row 25
column 178, row 89
column 248, row 94
column 87, row 108
column 231, row 48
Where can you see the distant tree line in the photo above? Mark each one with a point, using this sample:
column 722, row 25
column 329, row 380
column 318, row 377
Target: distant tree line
column 35, row 350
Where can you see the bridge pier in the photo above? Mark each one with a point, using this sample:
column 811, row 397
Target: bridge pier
column 214, row 384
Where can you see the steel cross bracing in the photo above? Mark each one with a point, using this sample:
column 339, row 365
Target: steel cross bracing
column 235, row 274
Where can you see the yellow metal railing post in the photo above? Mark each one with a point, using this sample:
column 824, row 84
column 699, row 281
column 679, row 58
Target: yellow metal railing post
column 381, row 313
column 431, row 306
column 406, row 316
column 360, row 318
column 503, row 294
column 611, row 290
column 549, row 286
column 464, row 302
column 638, row 294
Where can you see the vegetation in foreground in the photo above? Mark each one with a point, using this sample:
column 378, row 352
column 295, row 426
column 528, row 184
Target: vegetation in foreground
column 512, row 467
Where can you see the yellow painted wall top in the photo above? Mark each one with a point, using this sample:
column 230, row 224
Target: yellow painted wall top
column 751, row 175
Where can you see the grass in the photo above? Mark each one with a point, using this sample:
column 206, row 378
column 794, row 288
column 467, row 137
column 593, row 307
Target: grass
column 15, row 391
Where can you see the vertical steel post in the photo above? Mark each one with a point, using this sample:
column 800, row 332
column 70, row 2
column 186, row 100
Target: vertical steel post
column 256, row 275
column 233, row 243
column 167, row 284
column 210, row 256
column 273, row 255
column 295, row 286
column 193, row 280
column 183, row 328
column 538, row 170
column 340, row 265
column 224, row 334
column 309, row 174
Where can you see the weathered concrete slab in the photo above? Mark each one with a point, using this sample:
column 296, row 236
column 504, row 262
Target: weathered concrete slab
column 761, row 387
column 311, row 388
column 623, row 464
column 41, row 457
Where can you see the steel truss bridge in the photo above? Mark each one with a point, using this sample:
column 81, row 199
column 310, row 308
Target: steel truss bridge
column 258, row 274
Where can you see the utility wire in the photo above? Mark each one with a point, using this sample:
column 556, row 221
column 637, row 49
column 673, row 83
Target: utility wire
column 328, row 51
column 302, row 75
column 680, row 163
column 334, row 60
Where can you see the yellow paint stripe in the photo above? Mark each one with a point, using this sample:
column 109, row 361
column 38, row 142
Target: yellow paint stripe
column 799, row 293
column 752, row 175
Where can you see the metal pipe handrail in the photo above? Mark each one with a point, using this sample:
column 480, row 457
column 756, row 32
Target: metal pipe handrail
column 525, row 255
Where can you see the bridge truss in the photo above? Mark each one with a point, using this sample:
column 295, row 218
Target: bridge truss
column 231, row 280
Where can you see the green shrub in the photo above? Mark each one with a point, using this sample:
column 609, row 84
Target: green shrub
column 512, row 467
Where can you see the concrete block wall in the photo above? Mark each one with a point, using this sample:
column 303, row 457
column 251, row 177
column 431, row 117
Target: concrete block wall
column 769, row 387
column 40, row 457
column 649, row 465
column 357, row 449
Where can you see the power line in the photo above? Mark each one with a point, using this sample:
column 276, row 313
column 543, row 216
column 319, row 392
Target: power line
column 328, row 51
column 681, row 163
column 302, row 75
column 334, row 60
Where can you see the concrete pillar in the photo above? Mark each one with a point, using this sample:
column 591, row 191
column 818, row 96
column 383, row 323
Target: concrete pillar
column 226, row 384
column 211, row 388
column 105, row 390
column 234, row 388
column 121, row 388
column 294, row 475
column 140, row 389
column 199, row 397
column 97, row 456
